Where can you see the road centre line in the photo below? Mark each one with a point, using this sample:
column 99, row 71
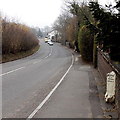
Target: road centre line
column 52, row 91
column 50, row 52
column 12, row 71
column 37, row 62
column 44, row 57
column 24, row 67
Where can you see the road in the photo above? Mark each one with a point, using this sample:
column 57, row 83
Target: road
column 26, row 82
column 52, row 83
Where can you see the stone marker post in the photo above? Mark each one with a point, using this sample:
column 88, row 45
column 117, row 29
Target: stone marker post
column 110, row 89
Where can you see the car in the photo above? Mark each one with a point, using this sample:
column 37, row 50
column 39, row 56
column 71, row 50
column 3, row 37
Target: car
column 46, row 39
column 50, row 43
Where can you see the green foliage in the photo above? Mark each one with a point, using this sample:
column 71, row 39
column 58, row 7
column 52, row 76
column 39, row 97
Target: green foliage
column 74, row 8
column 85, row 42
column 83, row 16
column 108, row 30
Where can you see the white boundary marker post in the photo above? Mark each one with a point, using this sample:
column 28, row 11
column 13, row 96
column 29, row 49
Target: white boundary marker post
column 110, row 88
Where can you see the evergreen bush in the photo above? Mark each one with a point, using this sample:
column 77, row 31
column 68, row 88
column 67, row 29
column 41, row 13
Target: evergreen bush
column 85, row 43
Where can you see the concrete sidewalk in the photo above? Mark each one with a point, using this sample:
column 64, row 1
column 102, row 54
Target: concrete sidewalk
column 76, row 97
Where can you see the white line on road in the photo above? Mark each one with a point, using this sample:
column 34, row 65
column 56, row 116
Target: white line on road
column 44, row 57
column 37, row 62
column 12, row 71
column 50, row 52
column 49, row 95
column 24, row 67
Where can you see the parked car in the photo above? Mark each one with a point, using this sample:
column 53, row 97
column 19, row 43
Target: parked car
column 50, row 43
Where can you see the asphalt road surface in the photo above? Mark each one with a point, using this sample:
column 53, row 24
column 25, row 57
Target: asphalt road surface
column 52, row 83
column 26, row 82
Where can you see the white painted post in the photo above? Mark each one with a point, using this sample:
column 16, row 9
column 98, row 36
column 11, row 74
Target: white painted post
column 110, row 90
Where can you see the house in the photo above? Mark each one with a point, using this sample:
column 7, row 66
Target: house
column 53, row 35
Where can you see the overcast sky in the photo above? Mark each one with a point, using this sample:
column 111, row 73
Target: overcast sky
column 34, row 12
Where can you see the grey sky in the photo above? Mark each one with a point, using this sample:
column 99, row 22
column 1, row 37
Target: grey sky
column 35, row 12
column 32, row 12
column 103, row 2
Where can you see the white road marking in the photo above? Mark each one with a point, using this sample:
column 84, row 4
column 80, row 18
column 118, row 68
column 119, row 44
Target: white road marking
column 50, row 52
column 49, row 95
column 12, row 71
column 49, row 55
column 37, row 62
column 24, row 67
column 44, row 57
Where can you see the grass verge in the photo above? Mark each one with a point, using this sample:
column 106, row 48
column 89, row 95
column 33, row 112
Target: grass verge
column 11, row 57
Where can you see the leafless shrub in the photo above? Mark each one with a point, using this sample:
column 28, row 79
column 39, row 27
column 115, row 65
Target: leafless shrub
column 16, row 37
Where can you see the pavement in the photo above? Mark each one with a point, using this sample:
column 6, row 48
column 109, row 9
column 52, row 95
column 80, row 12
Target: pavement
column 80, row 94
column 76, row 97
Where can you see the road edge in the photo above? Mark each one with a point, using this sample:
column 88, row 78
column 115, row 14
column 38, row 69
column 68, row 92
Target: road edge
column 51, row 92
